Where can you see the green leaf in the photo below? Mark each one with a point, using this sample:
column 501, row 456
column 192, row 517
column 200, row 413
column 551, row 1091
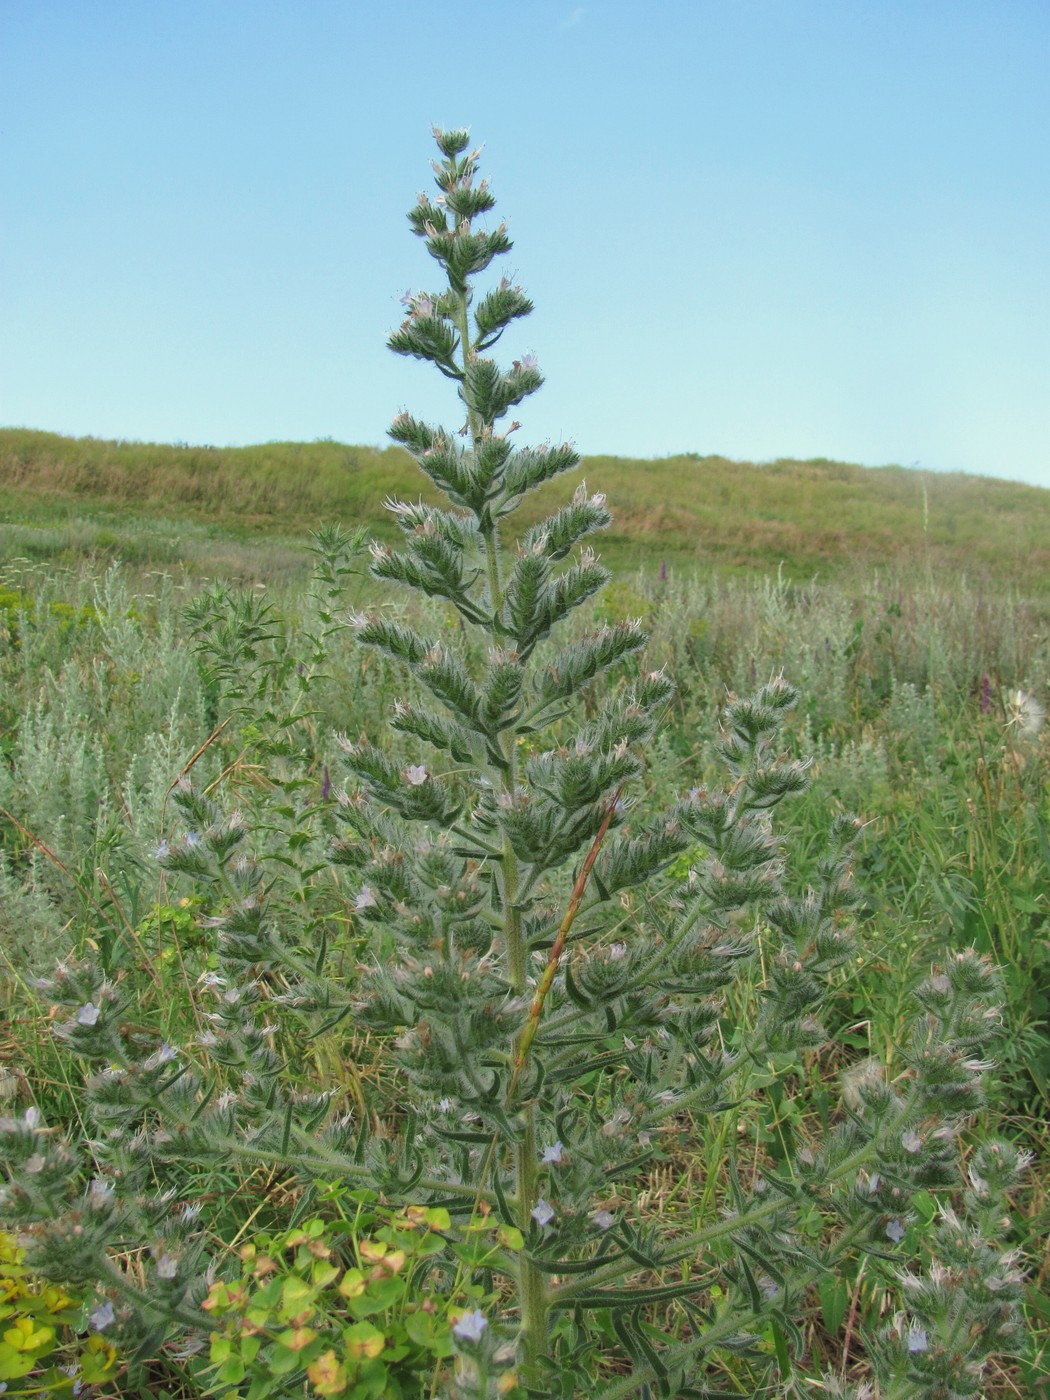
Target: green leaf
column 14, row 1362
column 379, row 1295
column 510, row 1237
column 232, row 1371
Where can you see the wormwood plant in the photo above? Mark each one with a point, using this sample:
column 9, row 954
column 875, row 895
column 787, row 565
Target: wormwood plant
column 576, row 996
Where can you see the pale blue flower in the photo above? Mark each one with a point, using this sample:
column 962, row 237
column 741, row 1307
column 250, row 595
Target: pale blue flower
column 542, row 1212
column 102, row 1316
column 471, row 1325
column 917, row 1340
column 895, row 1231
column 553, row 1154
column 87, row 1015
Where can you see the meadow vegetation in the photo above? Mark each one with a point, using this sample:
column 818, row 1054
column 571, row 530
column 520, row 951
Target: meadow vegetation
column 72, row 497
column 905, row 710
column 225, row 1177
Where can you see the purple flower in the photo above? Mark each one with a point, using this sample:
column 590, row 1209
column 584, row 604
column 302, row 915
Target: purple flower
column 663, row 570
column 986, row 694
column 895, row 1231
column 101, row 1317
column 471, row 1325
column 87, row 1015
column 553, row 1154
column 542, row 1212
column 326, row 785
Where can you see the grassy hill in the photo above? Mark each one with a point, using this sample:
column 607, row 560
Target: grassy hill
column 809, row 518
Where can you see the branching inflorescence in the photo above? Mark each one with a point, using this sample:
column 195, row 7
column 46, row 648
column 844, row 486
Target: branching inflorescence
column 559, row 1001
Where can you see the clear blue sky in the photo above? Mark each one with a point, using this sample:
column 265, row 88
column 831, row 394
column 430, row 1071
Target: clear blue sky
column 756, row 227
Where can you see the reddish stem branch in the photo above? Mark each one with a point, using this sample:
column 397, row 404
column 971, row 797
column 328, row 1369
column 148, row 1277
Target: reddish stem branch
column 558, row 946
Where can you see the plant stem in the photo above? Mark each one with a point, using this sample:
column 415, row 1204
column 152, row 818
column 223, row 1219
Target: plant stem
column 533, row 1294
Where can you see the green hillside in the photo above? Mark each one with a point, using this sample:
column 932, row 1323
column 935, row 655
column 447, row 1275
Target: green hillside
column 811, row 518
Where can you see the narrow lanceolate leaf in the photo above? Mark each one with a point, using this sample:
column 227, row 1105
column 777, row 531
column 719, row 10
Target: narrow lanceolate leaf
column 436, row 570
column 444, row 561
column 501, row 692
column 428, row 338
column 576, row 779
column 531, row 467
column 469, row 253
column 424, row 214
column 543, row 834
column 468, row 202
column 433, row 802
column 443, row 461
column 767, row 785
column 448, row 680
column 557, row 535
column 450, row 469
column 488, row 392
column 373, row 764
column 629, row 860
column 414, row 434
column 581, row 662
column 491, row 454
column 496, row 311
column 568, row 591
column 524, row 601
column 457, row 529
column 403, row 642
column 440, row 731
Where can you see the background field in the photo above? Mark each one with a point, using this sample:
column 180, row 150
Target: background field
column 809, row 519
column 909, row 610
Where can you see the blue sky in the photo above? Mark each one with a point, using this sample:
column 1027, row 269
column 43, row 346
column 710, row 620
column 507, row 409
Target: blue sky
column 762, row 228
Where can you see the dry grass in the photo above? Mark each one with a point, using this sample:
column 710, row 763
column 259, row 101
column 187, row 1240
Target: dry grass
column 812, row 518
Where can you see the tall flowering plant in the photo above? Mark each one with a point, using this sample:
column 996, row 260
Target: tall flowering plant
column 562, row 990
